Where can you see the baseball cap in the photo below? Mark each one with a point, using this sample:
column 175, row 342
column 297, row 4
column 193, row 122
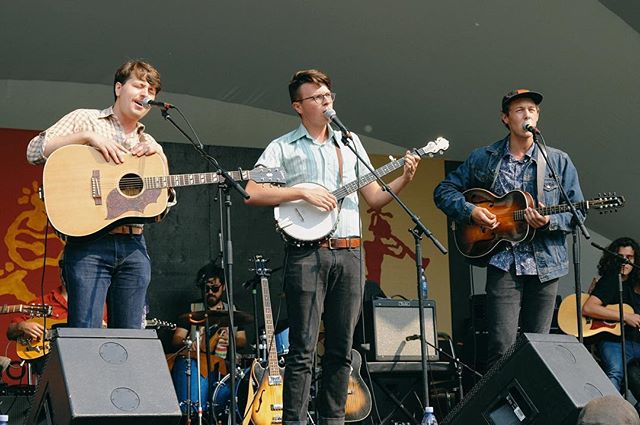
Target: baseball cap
column 518, row 93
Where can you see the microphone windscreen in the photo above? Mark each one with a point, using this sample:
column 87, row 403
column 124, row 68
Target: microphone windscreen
column 329, row 113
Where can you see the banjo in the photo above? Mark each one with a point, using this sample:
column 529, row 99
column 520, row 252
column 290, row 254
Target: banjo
column 300, row 222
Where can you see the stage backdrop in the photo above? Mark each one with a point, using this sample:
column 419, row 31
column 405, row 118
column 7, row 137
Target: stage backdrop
column 188, row 237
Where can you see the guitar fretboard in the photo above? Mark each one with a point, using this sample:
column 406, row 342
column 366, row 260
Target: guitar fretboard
column 178, row 180
column 555, row 209
column 6, row 309
column 349, row 188
column 269, row 328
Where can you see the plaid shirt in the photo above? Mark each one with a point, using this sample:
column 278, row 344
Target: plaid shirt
column 104, row 123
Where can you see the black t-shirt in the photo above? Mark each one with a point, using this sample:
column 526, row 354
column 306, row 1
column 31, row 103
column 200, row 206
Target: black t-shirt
column 607, row 291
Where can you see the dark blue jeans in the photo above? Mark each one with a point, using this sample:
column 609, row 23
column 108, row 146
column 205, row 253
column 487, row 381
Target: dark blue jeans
column 513, row 299
column 327, row 284
column 115, row 264
column 611, row 356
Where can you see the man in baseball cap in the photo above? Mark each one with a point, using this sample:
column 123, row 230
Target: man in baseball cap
column 522, row 273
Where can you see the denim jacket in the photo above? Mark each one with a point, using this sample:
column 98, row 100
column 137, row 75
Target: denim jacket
column 481, row 169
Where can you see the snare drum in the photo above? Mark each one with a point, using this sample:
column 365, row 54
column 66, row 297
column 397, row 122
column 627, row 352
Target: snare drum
column 221, row 399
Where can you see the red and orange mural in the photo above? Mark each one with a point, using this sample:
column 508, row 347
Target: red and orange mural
column 23, row 226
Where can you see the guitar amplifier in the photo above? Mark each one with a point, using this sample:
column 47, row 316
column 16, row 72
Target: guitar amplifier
column 389, row 322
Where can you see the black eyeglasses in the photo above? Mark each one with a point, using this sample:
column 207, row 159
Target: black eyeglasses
column 319, row 98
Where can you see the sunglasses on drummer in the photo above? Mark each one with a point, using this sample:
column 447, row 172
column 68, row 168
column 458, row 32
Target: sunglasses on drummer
column 212, row 288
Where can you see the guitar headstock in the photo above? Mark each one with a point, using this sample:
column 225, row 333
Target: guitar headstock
column 37, row 310
column 158, row 324
column 607, row 202
column 267, row 175
column 260, row 266
column 436, row 147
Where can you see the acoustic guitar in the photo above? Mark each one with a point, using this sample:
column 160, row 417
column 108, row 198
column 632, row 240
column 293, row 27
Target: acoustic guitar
column 568, row 324
column 300, row 223
column 475, row 241
column 358, row 404
column 84, row 195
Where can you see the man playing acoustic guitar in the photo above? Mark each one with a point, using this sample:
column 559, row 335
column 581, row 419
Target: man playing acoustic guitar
column 522, row 277
column 324, row 278
column 117, row 262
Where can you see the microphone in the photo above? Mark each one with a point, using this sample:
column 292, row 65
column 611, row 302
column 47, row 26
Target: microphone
column 147, row 102
column 331, row 115
column 527, row 126
column 412, row 338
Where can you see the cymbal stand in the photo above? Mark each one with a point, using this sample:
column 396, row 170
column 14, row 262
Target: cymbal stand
column 197, row 337
column 187, row 371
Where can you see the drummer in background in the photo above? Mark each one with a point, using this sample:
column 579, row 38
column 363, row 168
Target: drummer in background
column 210, row 280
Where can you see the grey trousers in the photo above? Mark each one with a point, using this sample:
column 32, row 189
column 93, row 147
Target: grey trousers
column 513, row 300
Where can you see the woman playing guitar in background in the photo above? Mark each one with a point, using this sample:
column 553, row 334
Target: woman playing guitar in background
column 522, row 277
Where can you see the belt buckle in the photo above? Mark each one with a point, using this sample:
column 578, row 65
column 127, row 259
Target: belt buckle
column 330, row 244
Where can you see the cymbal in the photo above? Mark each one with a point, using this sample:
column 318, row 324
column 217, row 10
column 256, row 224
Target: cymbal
column 216, row 317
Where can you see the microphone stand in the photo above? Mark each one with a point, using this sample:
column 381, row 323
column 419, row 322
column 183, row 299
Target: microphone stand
column 225, row 230
column 417, row 232
column 457, row 363
column 578, row 221
column 622, row 261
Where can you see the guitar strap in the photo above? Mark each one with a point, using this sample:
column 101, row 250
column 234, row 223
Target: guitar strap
column 541, row 168
column 340, row 160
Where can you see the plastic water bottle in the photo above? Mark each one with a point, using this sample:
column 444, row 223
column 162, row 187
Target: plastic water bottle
column 4, row 419
column 429, row 418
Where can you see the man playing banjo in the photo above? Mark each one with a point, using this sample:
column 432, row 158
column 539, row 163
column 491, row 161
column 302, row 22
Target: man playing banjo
column 324, row 277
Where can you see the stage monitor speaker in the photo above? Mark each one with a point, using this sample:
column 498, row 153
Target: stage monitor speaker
column 389, row 322
column 105, row 376
column 542, row 379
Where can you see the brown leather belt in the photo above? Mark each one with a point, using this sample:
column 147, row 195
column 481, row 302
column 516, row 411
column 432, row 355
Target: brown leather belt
column 341, row 243
column 126, row 230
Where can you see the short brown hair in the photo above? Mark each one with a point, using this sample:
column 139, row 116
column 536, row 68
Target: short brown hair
column 139, row 69
column 307, row 76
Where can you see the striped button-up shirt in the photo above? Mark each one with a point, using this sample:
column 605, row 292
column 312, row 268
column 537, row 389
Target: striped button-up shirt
column 104, row 123
column 307, row 161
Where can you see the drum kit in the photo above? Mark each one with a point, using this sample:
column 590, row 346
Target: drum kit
column 199, row 391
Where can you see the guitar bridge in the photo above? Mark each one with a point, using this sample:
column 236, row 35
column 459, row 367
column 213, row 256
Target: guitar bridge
column 96, row 191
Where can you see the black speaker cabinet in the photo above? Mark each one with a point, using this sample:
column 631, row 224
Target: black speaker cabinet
column 543, row 379
column 105, row 376
column 389, row 322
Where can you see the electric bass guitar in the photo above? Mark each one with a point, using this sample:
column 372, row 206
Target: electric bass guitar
column 475, row 241
column 568, row 324
column 300, row 222
column 85, row 195
column 264, row 400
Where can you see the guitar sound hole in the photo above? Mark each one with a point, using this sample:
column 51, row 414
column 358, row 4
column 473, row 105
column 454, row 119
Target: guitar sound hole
column 130, row 184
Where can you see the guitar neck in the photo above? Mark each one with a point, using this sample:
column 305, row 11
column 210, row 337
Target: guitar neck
column 349, row 188
column 179, row 180
column 7, row 309
column 269, row 328
column 555, row 209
